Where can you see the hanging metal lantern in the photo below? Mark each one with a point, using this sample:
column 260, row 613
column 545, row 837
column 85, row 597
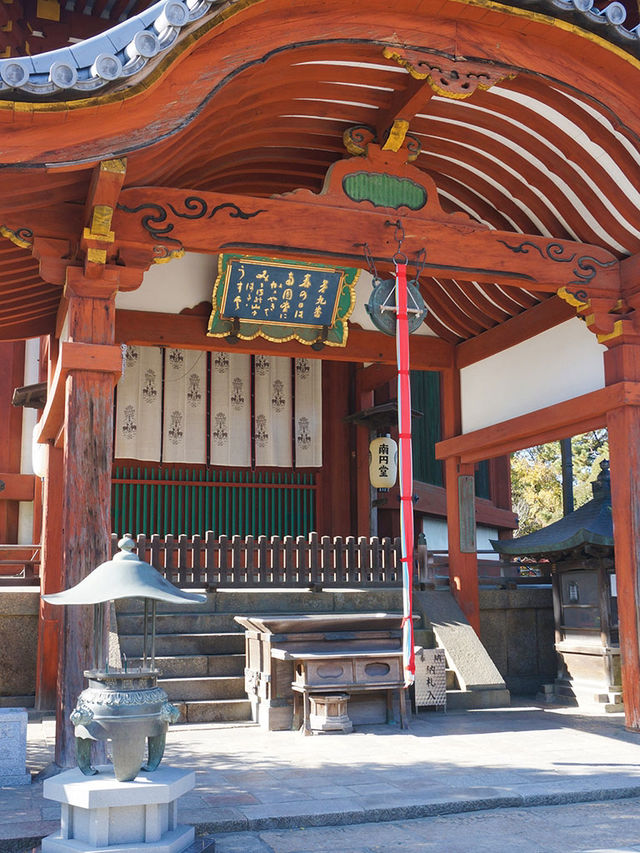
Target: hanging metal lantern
column 125, row 706
column 381, row 306
column 383, row 463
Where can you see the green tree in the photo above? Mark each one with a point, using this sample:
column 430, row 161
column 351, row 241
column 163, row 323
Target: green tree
column 536, row 478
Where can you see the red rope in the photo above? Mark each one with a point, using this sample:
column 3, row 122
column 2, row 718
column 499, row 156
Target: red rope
column 405, row 468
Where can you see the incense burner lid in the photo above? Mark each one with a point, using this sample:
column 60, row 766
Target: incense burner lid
column 125, row 576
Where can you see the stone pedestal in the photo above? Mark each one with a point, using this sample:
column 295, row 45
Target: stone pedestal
column 102, row 815
column 13, row 747
column 329, row 713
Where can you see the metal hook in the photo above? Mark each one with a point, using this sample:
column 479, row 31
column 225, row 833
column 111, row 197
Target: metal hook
column 399, row 257
column 370, row 261
column 421, row 259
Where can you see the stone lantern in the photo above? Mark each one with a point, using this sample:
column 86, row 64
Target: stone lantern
column 125, row 706
column 578, row 550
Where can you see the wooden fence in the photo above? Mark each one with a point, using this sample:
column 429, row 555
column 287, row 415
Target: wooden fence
column 308, row 562
column 270, row 562
column 19, row 565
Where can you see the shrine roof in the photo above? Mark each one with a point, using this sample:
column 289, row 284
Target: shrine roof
column 59, row 28
column 590, row 524
column 186, row 92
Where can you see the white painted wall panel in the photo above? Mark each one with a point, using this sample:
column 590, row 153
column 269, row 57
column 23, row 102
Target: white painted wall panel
column 559, row 364
column 184, row 282
column 29, row 416
column 435, row 530
column 168, row 288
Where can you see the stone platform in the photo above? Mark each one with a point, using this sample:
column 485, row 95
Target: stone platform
column 466, row 761
column 13, row 747
column 101, row 815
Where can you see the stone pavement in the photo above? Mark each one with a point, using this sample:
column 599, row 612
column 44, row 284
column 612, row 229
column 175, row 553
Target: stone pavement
column 610, row 827
column 252, row 783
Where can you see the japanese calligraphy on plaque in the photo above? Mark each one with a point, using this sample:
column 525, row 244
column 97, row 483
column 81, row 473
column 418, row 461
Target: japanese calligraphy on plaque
column 282, row 300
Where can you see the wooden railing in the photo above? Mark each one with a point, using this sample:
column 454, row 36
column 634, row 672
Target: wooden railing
column 268, row 562
column 308, row 562
column 492, row 571
column 19, row 565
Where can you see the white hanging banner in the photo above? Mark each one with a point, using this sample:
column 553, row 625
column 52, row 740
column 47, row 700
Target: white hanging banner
column 273, row 410
column 308, row 412
column 230, row 409
column 139, row 405
column 185, row 406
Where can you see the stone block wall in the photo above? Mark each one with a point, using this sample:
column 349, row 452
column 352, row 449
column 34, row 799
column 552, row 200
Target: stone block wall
column 517, row 630
column 18, row 643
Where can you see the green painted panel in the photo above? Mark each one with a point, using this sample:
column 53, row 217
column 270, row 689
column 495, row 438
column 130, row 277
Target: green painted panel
column 384, row 190
column 427, row 430
column 483, row 487
column 192, row 501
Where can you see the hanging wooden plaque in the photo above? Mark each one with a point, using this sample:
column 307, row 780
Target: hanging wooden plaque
column 466, row 503
column 281, row 300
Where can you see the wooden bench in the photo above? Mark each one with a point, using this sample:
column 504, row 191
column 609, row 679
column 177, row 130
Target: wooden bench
column 345, row 671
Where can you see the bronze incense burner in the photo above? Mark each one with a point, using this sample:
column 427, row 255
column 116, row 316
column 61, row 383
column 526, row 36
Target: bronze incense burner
column 124, row 706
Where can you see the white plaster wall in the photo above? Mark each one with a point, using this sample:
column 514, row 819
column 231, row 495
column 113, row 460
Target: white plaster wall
column 168, row 288
column 184, row 282
column 559, row 364
column 483, row 535
column 29, row 418
column 435, row 530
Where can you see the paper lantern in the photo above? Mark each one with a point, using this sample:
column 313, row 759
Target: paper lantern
column 383, row 463
column 38, row 454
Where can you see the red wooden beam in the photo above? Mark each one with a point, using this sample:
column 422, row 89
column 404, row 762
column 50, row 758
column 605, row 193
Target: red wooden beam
column 189, row 332
column 432, row 500
column 305, row 225
column 98, row 358
column 16, row 487
column 589, row 411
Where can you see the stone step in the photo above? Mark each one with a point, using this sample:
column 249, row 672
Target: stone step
column 181, row 623
column 424, row 637
column 458, row 700
column 215, row 711
column 245, row 602
column 185, row 644
column 197, row 689
column 191, row 666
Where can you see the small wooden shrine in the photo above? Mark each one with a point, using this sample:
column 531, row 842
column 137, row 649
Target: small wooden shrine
column 580, row 551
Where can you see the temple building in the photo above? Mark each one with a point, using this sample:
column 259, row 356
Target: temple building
column 203, row 205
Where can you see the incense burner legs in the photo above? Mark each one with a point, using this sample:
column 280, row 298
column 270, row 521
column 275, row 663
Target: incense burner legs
column 131, row 711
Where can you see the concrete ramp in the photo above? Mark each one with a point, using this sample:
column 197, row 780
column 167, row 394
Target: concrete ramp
column 478, row 682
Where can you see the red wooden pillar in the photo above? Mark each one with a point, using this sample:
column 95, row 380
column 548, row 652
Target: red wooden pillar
column 50, row 553
column 463, row 563
column 11, row 376
column 622, row 362
column 88, row 421
column 365, row 400
column 51, row 581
